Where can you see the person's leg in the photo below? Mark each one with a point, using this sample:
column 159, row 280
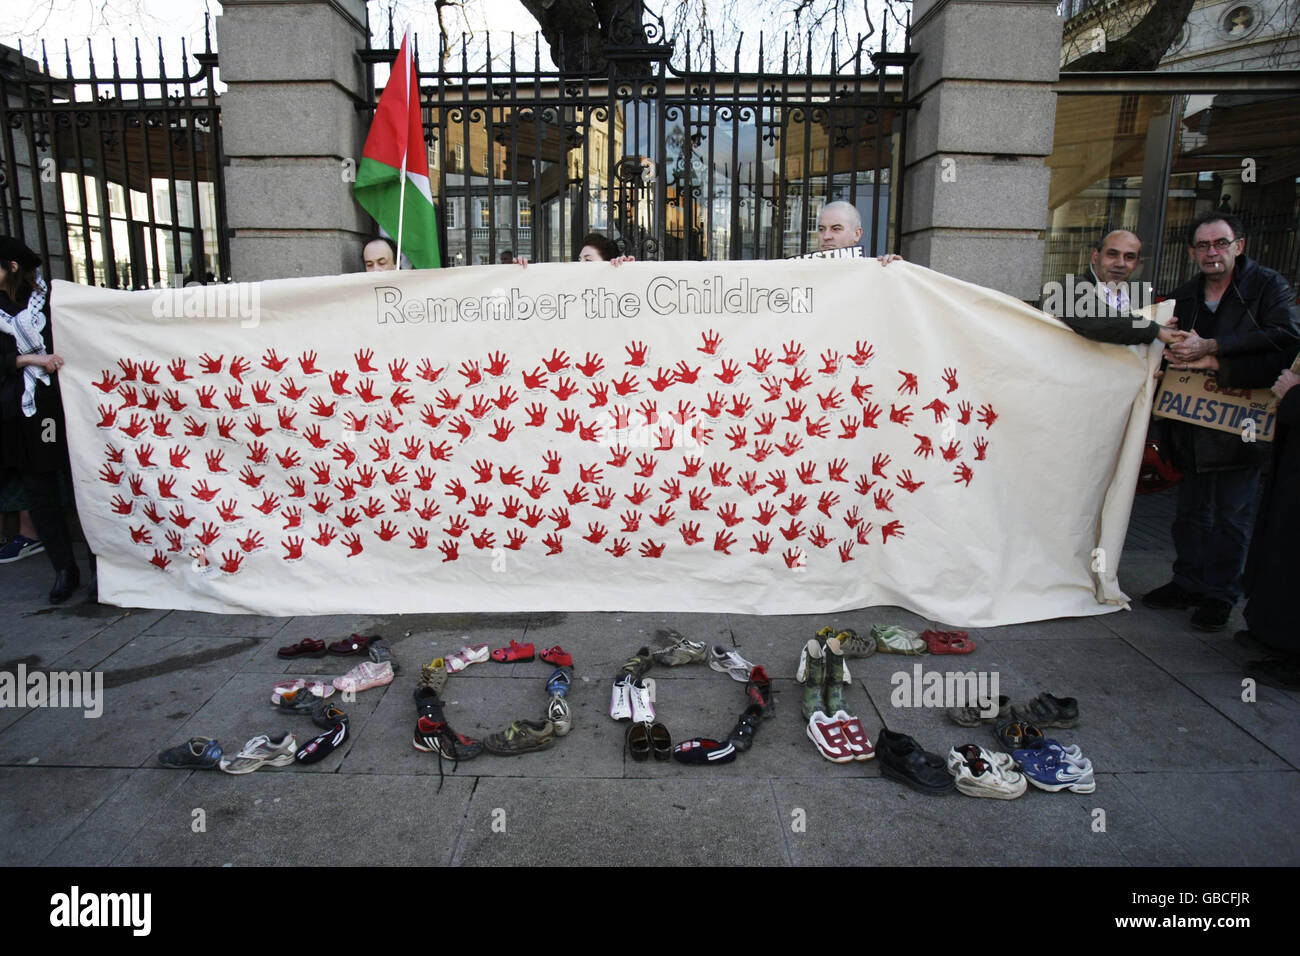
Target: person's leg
column 1193, row 522
column 25, row 526
column 47, row 517
column 1229, row 540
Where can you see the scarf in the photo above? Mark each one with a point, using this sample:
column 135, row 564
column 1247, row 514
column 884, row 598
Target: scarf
column 26, row 328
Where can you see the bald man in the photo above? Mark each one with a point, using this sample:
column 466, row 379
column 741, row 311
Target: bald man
column 379, row 255
column 1098, row 305
column 840, row 227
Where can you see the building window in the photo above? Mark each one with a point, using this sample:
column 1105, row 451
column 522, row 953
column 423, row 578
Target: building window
column 525, row 214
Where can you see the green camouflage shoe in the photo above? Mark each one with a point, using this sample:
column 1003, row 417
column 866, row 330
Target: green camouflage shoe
column 834, row 676
column 521, row 737
column 814, row 670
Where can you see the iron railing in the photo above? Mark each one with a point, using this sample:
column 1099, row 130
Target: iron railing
column 687, row 160
column 115, row 180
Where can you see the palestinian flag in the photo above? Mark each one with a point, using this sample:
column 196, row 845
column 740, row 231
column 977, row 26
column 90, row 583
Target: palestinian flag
column 393, row 178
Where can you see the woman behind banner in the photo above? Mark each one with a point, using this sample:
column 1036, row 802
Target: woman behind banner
column 32, row 446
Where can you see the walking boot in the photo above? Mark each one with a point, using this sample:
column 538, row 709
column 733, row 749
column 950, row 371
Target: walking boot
column 814, row 678
column 834, row 676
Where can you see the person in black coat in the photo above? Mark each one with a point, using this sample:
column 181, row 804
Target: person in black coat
column 1271, row 620
column 1241, row 322
column 32, row 443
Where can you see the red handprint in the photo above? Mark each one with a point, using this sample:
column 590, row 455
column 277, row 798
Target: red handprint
column 800, row 380
column 292, row 548
column 963, row 474
column 273, row 362
column 291, row 390
column 427, row 372
column 883, row 498
column 363, row 358
column 906, row 483
column 924, row 448
column 893, row 529
column 307, row 362
column 981, row 446
column 900, row 415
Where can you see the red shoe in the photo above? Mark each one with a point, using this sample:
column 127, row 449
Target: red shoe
column 307, row 647
column 354, row 644
column 558, row 656
column 515, row 652
column 948, row 642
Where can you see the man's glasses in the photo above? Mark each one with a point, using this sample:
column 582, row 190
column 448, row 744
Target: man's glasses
column 1219, row 244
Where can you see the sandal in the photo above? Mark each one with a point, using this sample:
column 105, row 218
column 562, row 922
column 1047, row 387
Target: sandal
column 469, row 654
column 661, row 741
column 319, row 688
column 895, row 639
column 557, row 656
column 638, row 741
column 307, row 647
column 515, row 652
column 355, row 644
column 1048, row 711
column 948, row 642
column 973, row 716
column 1019, row 735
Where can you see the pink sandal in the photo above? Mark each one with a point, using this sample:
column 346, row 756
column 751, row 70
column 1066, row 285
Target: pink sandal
column 469, row 654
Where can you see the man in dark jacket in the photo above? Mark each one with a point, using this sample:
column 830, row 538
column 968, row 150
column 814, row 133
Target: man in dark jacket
column 1098, row 304
column 1241, row 323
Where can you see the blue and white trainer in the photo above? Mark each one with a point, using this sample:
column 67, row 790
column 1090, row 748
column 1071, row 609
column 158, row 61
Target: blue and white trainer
column 19, row 547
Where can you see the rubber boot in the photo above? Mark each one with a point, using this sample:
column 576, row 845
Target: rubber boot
column 834, row 677
column 814, row 677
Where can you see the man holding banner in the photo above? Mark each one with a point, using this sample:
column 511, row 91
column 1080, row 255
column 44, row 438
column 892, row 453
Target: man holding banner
column 1241, row 323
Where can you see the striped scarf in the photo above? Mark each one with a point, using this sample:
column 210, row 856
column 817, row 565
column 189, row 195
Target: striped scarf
column 26, row 328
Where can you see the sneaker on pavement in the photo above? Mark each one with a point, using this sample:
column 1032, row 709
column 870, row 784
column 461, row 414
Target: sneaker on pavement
column 967, row 753
column 1171, row 597
column 729, row 662
column 433, row 675
column 979, row 778
column 636, row 665
column 323, row 745
column 364, row 676
column 437, row 737
column 640, row 694
column 853, row 646
column 681, row 651
column 855, row 735
column 521, row 737
column 558, row 684
column 620, row 700
column 262, row 750
column 560, row 716
column 198, row 753
column 1049, row 771
column 1211, row 615
column 759, row 690
column 19, row 547
column 828, row 737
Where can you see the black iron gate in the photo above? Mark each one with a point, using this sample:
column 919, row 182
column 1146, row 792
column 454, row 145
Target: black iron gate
column 115, row 180
column 687, row 161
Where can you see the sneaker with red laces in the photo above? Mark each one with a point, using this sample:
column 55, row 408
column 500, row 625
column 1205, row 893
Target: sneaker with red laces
column 828, row 736
column 855, row 735
column 437, row 737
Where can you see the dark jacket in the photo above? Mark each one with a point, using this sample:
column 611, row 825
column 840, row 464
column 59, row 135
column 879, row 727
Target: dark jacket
column 1104, row 325
column 1257, row 327
column 22, row 444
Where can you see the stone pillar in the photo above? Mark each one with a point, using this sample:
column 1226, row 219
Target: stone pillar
column 976, row 186
column 289, row 126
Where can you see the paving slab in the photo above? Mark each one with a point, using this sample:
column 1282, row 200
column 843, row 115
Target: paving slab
column 1225, row 819
column 677, row 822
column 41, row 806
column 279, row 817
column 112, row 825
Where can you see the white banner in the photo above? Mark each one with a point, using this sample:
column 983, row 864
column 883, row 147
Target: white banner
column 754, row 437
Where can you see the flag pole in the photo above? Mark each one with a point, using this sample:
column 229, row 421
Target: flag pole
column 401, row 194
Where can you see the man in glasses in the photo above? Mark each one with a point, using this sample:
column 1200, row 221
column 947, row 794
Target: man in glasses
column 1242, row 324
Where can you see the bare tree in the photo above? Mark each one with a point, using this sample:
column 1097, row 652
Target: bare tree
column 1128, row 45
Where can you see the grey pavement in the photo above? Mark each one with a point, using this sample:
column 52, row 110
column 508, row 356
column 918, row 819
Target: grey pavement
column 1188, row 773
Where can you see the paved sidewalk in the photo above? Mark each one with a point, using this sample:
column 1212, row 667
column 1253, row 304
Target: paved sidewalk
column 1187, row 772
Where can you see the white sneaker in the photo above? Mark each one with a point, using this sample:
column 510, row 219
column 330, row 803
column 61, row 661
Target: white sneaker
column 364, row 676
column 979, row 777
column 262, row 750
column 620, row 701
column 726, row 661
column 827, row 735
column 855, row 736
column 969, row 752
column 558, row 713
column 643, row 708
